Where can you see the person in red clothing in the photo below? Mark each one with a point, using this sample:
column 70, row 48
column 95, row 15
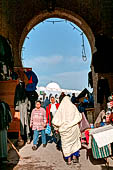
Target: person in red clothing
column 50, row 112
column 51, row 109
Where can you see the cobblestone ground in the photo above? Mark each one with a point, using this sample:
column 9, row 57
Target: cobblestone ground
column 48, row 158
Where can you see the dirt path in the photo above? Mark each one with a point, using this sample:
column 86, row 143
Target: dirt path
column 48, row 158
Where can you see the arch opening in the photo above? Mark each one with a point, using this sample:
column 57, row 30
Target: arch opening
column 63, row 14
column 58, row 57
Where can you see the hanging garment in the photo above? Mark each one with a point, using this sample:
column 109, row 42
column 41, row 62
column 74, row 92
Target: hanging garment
column 5, row 115
column 21, row 74
column 24, row 109
column 20, row 94
column 102, row 90
column 3, row 143
column 90, row 80
column 5, row 119
column 84, row 124
column 32, row 97
column 100, row 118
column 5, row 52
column 33, row 80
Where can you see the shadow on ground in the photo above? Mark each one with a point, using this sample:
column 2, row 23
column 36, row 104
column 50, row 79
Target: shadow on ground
column 107, row 168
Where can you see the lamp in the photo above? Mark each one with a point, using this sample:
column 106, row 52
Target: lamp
column 83, row 49
column 50, row 5
column 84, row 57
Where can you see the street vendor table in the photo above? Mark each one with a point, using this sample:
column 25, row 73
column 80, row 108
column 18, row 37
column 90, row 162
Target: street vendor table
column 100, row 140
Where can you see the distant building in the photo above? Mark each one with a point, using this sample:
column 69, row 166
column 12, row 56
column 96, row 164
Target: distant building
column 55, row 90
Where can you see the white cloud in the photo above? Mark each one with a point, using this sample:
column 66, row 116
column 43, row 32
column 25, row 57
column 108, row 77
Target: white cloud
column 74, row 59
column 40, row 60
column 67, row 80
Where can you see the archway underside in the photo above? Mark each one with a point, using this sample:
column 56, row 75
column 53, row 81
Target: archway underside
column 64, row 14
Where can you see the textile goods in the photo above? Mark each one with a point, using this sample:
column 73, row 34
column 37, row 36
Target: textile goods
column 20, row 94
column 6, row 52
column 5, row 115
column 33, row 80
column 24, row 109
column 97, row 130
column 102, row 90
column 103, row 138
column 32, row 97
column 84, row 124
column 102, row 152
column 100, row 117
column 3, row 143
column 66, row 122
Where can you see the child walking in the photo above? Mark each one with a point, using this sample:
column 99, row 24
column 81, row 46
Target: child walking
column 38, row 124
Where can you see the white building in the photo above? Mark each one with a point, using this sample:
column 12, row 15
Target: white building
column 53, row 88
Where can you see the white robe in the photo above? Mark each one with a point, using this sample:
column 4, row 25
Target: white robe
column 66, row 122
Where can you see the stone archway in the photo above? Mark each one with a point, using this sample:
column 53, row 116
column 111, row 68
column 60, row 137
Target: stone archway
column 70, row 16
column 59, row 13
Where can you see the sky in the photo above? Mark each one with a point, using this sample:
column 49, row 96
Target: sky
column 54, row 51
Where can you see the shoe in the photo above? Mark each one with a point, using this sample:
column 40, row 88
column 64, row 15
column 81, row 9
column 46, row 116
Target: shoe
column 44, row 145
column 28, row 141
column 58, row 148
column 34, row 147
column 76, row 160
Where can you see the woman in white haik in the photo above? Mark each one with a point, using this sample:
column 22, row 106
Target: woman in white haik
column 66, row 121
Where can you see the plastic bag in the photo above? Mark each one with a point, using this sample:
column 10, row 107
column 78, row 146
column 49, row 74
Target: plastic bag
column 48, row 129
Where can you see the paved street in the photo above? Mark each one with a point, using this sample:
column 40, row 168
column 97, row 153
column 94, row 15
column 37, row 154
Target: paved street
column 48, row 159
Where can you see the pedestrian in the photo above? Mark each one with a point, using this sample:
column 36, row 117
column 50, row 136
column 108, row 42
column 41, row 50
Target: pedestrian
column 66, row 121
column 62, row 95
column 73, row 98
column 5, row 119
column 50, row 112
column 46, row 102
column 38, row 124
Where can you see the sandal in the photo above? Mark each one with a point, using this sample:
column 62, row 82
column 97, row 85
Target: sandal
column 69, row 161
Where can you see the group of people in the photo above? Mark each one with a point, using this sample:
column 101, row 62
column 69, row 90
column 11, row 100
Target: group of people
column 64, row 119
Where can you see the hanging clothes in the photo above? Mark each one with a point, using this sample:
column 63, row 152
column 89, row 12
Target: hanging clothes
column 20, row 94
column 33, row 80
column 33, row 97
column 90, row 80
column 23, row 105
column 6, row 53
column 24, row 109
column 21, row 74
column 102, row 90
column 5, row 119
